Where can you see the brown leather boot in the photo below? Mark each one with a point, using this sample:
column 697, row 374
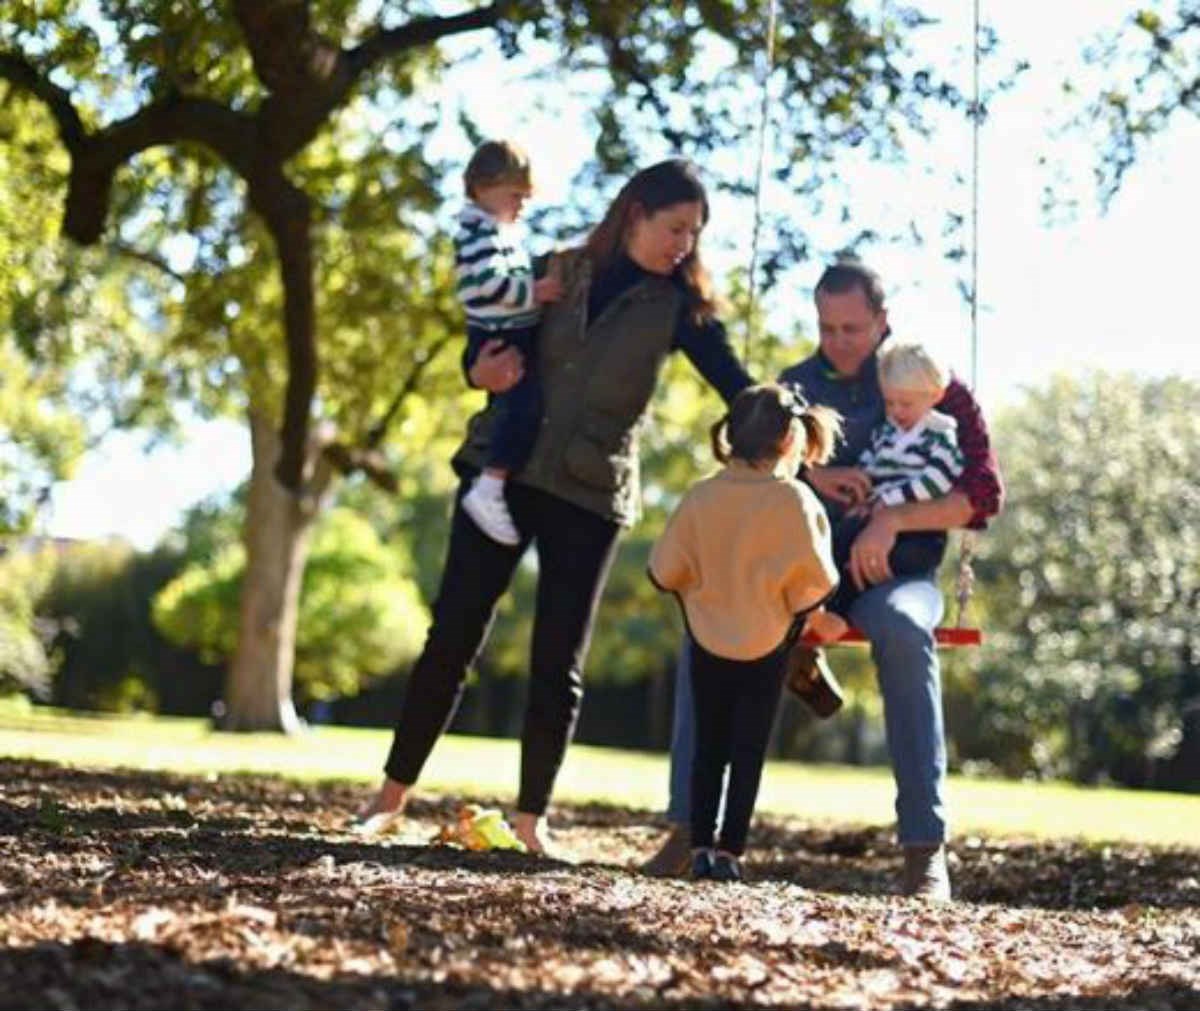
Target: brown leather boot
column 674, row 856
column 809, row 676
column 926, row 875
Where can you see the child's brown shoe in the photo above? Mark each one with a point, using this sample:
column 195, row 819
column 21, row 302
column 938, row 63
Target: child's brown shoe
column 808, row 675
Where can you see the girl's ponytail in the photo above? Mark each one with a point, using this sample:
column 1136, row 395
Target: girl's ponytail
column 719, row 436
column 822, row 428
column 760, row 418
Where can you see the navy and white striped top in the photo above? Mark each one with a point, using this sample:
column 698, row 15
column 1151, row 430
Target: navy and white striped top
column 495, row 273
column 916, row 465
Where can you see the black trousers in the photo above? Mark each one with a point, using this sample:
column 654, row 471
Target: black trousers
column 519, row 414
column 575, row 552
column 735, row 703
column 915, row 553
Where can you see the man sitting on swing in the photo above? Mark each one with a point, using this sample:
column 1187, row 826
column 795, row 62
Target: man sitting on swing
column 897, row 615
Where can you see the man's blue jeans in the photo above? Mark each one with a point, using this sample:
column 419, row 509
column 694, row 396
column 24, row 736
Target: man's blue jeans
column 898, row 618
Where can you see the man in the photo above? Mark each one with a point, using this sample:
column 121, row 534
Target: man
column 898, row 616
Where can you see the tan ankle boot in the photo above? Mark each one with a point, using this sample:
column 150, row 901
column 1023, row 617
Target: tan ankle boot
column 926, row 875
column 808, row 675
column 674, row 856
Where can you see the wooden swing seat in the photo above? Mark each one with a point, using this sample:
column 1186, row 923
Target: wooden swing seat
column 949, row 637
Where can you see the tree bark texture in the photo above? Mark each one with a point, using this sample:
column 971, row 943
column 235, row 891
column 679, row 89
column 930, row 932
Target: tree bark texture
column 258, row 692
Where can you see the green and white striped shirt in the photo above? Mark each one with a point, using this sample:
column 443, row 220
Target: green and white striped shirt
column 495, row 275
column 915, row 465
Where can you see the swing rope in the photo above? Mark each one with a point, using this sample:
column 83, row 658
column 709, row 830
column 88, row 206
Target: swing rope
column 965, row 582
column 958, row 635
column 763, row 121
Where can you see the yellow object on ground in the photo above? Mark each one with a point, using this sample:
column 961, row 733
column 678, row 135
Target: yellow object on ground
column 480, row 828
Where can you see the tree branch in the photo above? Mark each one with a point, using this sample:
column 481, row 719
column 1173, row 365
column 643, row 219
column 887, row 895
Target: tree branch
column 289, row 57
column 150, row 259
column 230, row 134
column 95, row 157
column 19, row 71
column 377, row 431
column 421, row 32
column 367, row 458
column 620, row 59
column 372, row 463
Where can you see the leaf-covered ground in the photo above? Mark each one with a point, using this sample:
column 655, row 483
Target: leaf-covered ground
column 140, row 890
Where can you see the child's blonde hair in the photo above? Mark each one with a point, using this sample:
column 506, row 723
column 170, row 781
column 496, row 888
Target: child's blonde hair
column 494, row 162
column 759, row 420
column 907, row 365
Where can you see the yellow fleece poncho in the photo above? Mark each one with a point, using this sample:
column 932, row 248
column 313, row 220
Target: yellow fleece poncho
column 745, row 550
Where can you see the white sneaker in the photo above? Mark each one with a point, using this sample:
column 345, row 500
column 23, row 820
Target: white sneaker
column 490, row 513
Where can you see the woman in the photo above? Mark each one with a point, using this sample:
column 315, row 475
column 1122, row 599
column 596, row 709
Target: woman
column 636, row 291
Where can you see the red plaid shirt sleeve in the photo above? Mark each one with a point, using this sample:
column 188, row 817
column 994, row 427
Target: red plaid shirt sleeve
column 980, row 480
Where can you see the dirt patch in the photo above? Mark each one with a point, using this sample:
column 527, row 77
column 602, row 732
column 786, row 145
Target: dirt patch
column 140, row 890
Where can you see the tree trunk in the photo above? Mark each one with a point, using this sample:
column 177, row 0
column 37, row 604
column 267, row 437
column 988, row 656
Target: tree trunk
column 286, row 209
column 258, row 691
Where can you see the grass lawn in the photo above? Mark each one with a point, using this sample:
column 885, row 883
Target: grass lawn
column 827, row 794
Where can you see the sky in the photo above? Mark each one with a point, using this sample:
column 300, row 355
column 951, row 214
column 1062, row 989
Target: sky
column 1100, row 291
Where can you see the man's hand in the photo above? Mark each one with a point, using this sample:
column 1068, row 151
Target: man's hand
column 863, row 509
column 848, row 486
column 498, row 368
column 869, row 552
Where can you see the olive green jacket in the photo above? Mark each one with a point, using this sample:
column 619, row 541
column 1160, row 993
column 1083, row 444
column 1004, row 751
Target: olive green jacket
column 597, row 378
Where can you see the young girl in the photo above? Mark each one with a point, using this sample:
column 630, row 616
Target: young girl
column 747, row 552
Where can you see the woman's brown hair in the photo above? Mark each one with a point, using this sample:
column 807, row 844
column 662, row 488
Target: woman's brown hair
column 759, row 420
column 653, row 189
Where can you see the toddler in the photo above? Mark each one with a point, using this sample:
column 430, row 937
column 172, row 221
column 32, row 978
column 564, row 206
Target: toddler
column 913, row 456
column 497, row 288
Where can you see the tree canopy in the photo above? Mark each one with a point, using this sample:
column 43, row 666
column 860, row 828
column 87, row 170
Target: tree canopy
column 179, row 118
column 1152, row 70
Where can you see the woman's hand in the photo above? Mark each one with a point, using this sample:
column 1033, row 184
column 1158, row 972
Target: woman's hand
column 498, row 368
column 869, row 552
column 547, row 289
column 848, row 486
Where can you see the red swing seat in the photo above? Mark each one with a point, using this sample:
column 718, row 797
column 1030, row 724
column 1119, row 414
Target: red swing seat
column 949, row 637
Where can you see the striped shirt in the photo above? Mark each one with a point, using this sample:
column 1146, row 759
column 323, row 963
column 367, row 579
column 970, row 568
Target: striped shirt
column 858, row 400
column 916, row 465
column 495, row 274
